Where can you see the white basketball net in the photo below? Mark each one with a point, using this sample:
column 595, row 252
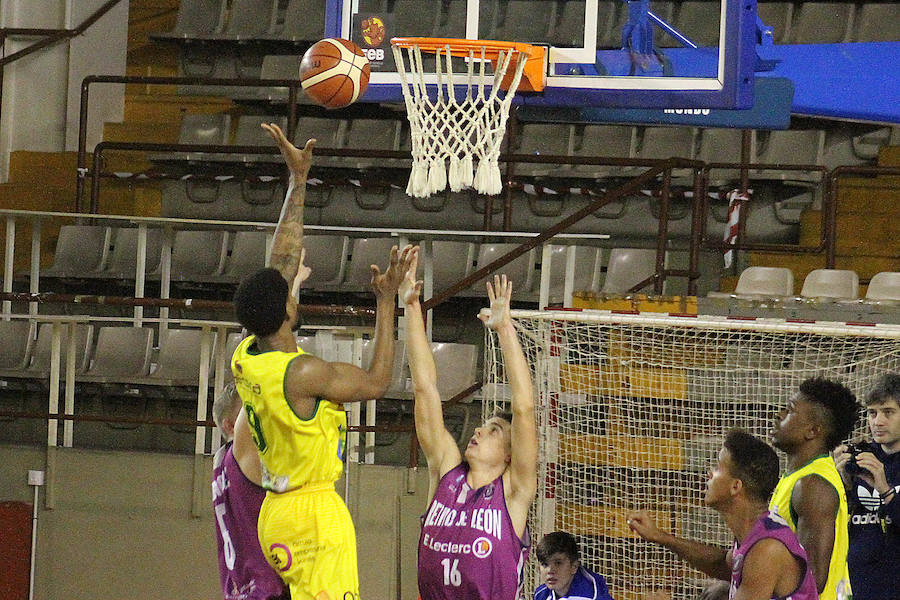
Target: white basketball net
column 444, row 129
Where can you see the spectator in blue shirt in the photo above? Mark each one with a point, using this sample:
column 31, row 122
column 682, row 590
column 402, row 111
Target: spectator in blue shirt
column 563, row 575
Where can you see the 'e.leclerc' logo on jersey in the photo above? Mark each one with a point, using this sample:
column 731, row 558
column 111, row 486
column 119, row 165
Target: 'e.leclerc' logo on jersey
column 482, row 547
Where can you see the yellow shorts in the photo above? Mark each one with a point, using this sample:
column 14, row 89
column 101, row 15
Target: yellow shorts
column 307, row 535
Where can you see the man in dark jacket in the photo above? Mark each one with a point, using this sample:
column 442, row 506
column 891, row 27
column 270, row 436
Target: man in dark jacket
column 871, row 473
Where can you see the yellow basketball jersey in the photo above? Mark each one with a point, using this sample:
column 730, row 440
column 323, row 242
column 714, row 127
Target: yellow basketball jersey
column 293, row 451
column 838, row 584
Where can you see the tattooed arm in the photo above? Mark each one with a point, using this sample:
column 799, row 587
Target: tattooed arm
column 285, row 253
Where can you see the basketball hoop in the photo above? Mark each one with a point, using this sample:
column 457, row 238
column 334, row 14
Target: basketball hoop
column 444, row 128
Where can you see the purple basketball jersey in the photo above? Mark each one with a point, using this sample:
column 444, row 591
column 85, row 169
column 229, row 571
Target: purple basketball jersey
column 243, row 569
column 772, row 526
column 468, row 547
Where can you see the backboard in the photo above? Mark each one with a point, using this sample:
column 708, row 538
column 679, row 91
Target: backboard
column 602, row 53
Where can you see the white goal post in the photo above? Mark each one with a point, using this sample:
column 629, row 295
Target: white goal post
column 632, row 408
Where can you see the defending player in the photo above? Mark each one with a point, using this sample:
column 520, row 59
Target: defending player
column 811, row 497
column 292, row 403
column 237, row 496
column 766, row 560
column 474, row 540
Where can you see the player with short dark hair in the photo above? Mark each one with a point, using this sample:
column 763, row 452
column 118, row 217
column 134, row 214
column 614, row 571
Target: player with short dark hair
column 563, row 574
column 810, row 497
column 293, row 404
column 766, row 560
column 243, row 570
column 474, row 539
column 871, row 472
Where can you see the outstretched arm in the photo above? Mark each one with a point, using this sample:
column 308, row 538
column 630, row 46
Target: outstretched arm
column 439, row 447
column 524, row 442
column 309, row 377
column 285, row 253
column 714, row 561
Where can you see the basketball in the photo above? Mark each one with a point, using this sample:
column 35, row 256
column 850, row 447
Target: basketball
column 334, row 72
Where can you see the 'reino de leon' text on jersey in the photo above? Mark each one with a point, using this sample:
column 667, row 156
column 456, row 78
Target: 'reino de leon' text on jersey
column 468, row 547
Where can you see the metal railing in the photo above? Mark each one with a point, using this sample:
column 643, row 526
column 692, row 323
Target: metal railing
column 49, row 38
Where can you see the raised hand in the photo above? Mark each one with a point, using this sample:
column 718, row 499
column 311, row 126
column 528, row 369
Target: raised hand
column 410, row 287
column 642, row 524
column 303, row 273
column 297, row 160
column 499, row 294
column 386, row 284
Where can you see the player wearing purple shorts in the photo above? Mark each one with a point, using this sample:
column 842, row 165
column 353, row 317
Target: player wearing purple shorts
column 767, row 560
column 244, row 572
column 474, row 540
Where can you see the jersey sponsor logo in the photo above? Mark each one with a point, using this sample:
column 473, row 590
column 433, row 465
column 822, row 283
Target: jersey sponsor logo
column 870, row 499
column 281, row 557
column 482, row 547
column 866, row 519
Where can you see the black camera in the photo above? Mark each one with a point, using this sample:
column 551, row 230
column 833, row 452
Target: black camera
column 851, row 467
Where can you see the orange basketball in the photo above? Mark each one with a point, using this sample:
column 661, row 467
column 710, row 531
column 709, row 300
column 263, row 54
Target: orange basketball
column 334, row 72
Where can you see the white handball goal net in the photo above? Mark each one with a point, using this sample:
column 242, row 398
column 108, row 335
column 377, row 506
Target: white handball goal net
column 632, row 409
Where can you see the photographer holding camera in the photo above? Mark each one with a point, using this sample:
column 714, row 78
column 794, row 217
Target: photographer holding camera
column 871, row 474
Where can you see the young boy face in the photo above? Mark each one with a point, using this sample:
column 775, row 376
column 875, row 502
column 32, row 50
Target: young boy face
column 558, row 572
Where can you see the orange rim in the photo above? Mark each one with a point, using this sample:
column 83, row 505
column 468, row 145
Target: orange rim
column 533, row 75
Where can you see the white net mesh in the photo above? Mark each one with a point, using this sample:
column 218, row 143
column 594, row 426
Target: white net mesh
column 449, row 134
column 632, row 410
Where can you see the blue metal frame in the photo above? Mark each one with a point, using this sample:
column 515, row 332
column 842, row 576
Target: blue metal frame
column 737, row 75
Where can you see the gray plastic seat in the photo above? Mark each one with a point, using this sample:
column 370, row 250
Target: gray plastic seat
column 822, row 23
column 326, row 256
column 452, row 261
column 878, row 22
column 80, row 250
column 520, row 270
column 698, row 21
column 122, row 353
column 18, row 341
column 762, row 282
column 248, row 255
column 123, row 257
column 666, row 142
column 250, row 133
column 366, row 252
column 456, row 366
column 884, row 286
column 526, row 21
column 627, row 267
column 401, row 384
column 776, row 15
column 416, row 18
column 42, row 355
column 587, row 270
column 372, row 134
column 197, row 19
column 197, row 255
column 568, row 30
column 834, row 284
column 179, row 359
column 543, row 138
column 304, row 20
column 614, row 141
column 250, row 19
column 791, row 147
column 722, row 146
column 204, row 129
